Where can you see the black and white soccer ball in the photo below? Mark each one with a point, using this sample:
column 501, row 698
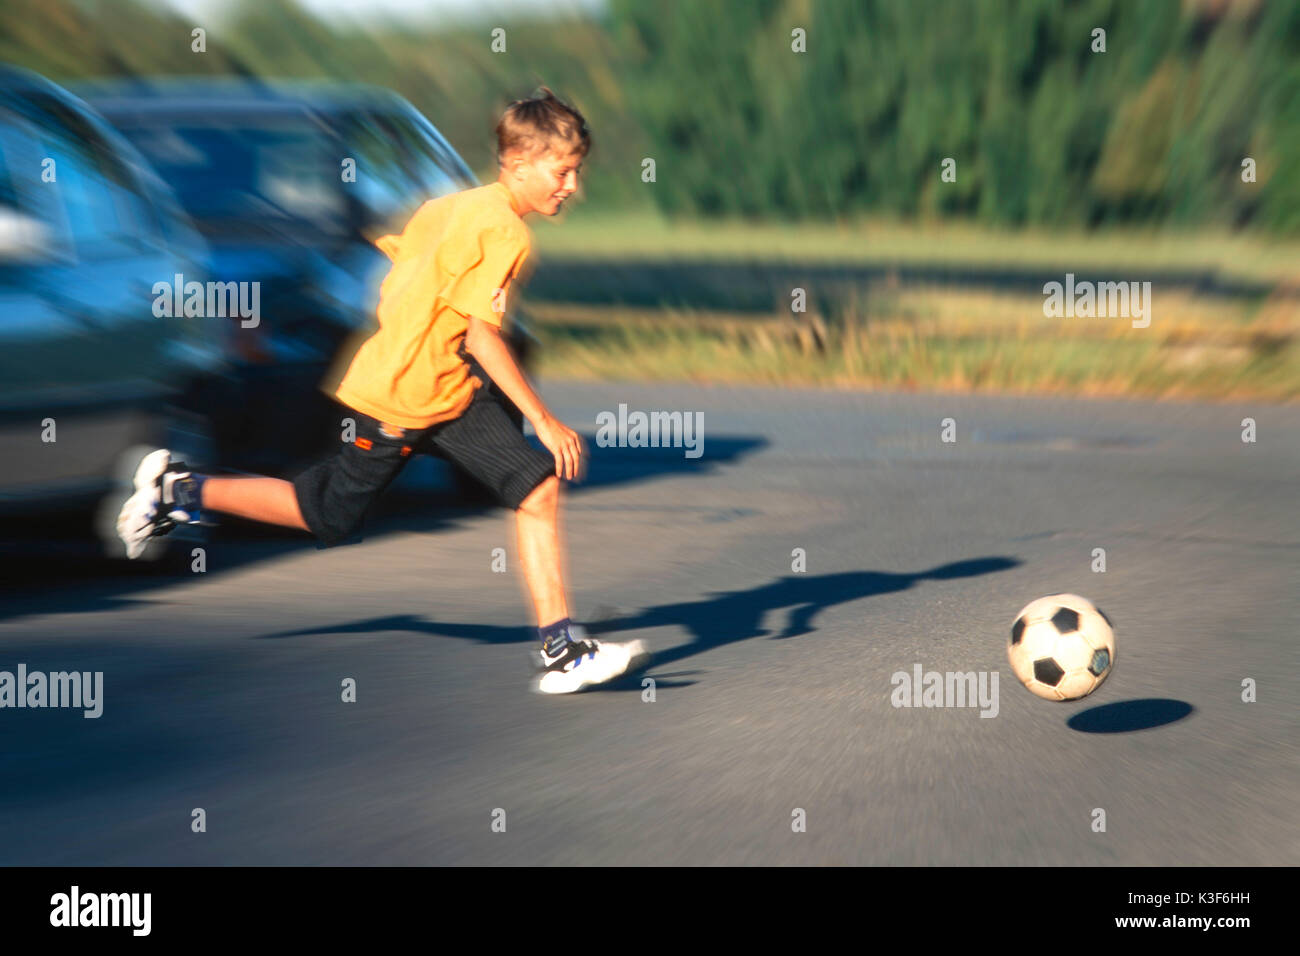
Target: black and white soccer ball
column 1061, row 647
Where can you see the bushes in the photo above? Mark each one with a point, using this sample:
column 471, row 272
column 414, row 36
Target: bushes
column 1044, row 130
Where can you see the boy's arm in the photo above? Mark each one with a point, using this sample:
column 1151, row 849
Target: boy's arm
column 484, row 342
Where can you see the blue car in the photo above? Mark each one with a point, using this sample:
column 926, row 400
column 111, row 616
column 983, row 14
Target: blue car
column 88, row 372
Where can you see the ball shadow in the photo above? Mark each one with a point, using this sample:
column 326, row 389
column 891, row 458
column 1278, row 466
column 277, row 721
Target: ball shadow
column 1129, row 715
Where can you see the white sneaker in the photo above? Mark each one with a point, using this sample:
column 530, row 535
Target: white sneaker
column 584, row 663
column 150, row 510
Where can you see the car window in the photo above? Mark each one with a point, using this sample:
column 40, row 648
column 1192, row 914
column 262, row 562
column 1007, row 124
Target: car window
column 236, row 173
column 384, row 187
column 28, row 202
column 8, row 189
column 451, row 169
column 90, row 215
column 100, row 186
column 419, row 161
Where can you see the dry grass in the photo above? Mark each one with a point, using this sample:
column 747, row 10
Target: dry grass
column 945, row 340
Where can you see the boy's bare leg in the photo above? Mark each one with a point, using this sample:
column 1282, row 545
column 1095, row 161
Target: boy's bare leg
column 270, row 500
column 538, row 524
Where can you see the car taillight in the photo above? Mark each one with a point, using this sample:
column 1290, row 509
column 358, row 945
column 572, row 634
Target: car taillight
column 249, row 345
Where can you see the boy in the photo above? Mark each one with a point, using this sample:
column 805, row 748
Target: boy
column 411, row 388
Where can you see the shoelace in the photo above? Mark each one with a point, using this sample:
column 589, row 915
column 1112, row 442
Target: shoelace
column 163, row 523
column 574, row 651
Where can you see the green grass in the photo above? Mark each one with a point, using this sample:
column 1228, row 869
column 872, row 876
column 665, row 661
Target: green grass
column 648, row 235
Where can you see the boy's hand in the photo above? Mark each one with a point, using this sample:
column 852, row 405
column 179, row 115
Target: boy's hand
column 565, row 444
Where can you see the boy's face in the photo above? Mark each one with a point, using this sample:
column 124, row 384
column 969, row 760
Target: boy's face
column 548, row 180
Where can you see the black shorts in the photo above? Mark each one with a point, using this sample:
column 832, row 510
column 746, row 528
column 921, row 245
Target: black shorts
column 485, row 441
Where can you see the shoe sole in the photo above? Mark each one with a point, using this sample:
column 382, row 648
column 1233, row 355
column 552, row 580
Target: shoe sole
column 636, row 653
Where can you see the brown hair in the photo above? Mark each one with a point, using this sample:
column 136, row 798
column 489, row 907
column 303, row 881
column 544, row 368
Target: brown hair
column 539, row 125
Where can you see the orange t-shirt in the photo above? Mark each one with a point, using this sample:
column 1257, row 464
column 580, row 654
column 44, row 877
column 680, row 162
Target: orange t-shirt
column 455, row 258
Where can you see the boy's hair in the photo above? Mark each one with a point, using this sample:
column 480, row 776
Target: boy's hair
column 539, row 125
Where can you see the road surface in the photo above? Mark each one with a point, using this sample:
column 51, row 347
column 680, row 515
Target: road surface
column 771, row 687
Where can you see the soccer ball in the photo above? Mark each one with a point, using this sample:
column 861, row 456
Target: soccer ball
column 1061, row 647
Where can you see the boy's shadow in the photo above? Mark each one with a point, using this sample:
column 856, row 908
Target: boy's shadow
column 725, row 617
column 722, row 617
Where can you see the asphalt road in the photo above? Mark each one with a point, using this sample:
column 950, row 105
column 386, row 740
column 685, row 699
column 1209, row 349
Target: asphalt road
column 772, row 688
